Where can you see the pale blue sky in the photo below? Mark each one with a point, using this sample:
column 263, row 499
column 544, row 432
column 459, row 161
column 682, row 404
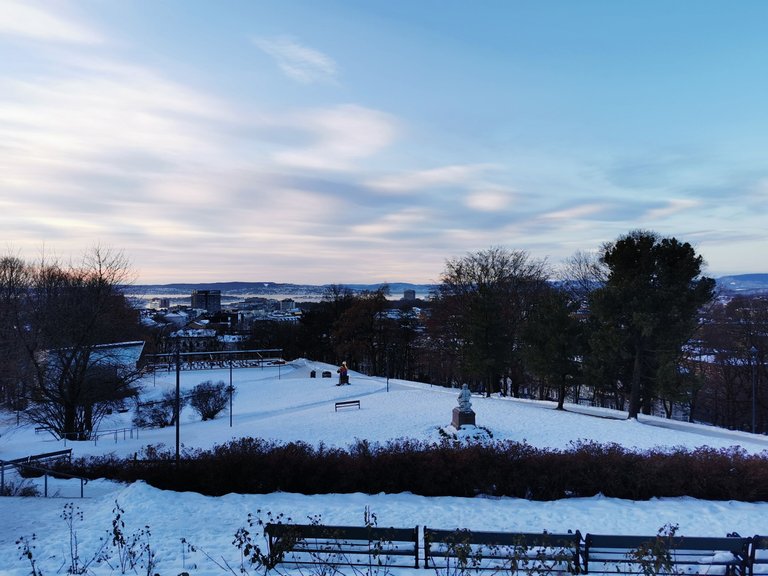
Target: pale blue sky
column 338, row 141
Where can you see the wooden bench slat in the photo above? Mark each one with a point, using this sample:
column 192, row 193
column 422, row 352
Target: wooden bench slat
column 564, row 552
column 347, row 545
column 758, row 556
column 346, row 404
column 494, row 550
column 604, row 552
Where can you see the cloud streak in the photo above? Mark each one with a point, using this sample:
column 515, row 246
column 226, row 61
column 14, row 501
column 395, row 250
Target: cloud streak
column 454, row 175
column 200, row 175
column 24, row 19
column 337, row 138
column 298, row 62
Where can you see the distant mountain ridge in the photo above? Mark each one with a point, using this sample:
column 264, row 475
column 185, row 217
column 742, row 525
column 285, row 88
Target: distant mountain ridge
column 269, row 288
column 744, row 283
column 739, row 283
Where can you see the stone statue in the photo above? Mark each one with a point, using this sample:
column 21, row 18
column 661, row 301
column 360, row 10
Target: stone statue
column 463, row 415
column 465, row 399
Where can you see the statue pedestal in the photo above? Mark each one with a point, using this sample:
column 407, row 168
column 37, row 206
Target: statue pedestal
column 462, row 418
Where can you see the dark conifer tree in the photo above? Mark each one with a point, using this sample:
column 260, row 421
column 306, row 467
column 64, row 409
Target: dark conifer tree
column 649, row 305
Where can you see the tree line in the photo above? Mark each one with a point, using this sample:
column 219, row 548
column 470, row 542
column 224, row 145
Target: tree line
column 633, row 325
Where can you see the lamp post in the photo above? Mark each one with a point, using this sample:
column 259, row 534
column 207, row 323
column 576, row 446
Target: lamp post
column 753, row 362
column 177, row 403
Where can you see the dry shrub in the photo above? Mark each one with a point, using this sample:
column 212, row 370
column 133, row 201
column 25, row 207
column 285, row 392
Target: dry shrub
column 501, row 468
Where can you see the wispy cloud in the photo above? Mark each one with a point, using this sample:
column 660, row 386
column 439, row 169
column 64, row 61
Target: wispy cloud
column 26, row 19
column 453, row 175
column 338, row 137
column 581, row 211
column 760, row 190
column 671, row 207
column 100, row 121
column 297, row 61
column 489, row 198
column 402, row 221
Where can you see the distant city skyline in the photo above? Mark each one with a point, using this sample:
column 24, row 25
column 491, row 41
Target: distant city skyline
column 337, row 141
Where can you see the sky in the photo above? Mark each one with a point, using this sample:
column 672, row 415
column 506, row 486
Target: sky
column 343, row 141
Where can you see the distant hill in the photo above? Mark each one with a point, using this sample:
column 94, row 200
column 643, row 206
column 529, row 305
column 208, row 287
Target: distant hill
column 740, row 284
column 269, row 289
column 744, row 283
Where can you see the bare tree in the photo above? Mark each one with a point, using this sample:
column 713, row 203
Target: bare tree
column 581, row 274
column 485, row 295
column 14, row 279
column 65, row 316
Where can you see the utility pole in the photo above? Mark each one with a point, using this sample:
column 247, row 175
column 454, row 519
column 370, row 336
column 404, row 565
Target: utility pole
column 177, row 404
column 753, row 362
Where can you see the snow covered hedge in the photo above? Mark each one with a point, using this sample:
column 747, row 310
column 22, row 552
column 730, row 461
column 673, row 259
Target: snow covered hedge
column 502, row 468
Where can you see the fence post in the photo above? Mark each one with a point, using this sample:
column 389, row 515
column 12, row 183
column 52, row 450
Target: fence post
column 46, row 484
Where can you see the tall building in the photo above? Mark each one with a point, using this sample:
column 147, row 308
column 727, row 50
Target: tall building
column 208, row 300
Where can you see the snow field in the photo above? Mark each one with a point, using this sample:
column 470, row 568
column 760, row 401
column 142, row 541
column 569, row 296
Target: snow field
column 285, row 404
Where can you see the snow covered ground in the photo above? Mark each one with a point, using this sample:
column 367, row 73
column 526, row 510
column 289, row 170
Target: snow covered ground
column 284, row 403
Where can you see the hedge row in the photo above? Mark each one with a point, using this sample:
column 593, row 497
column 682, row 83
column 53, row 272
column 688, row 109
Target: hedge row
column 502, row 468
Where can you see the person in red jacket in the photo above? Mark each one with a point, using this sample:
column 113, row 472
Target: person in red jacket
column 342, row 371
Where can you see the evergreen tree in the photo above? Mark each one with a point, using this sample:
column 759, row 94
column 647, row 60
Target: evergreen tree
column 553, row 341
column 649, row 307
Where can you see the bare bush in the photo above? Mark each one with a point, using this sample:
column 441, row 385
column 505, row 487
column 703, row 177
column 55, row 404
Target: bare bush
column 158, row 414
column 209, row 399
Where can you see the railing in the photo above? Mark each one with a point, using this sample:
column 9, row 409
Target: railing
column 38, row 457
column 26, row 462
column 96, row 434
column 56, row 474
column 126, row 432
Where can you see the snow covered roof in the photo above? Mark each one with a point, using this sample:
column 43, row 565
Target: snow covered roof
column 126, row 354
column 194, row 333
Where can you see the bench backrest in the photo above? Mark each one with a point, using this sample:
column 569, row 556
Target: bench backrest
column 507, row 547
column 611, row 550
column 502, row 538
column 758, row 557
column 372, row 533
column 353, row 545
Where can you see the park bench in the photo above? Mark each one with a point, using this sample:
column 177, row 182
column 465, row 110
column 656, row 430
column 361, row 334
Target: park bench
column 758, row 556
column 329, row 546
column 609, row 554
column 524, row 552
column 346, row 404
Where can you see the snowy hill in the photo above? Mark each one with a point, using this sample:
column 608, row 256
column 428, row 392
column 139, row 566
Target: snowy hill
column 284, row 403
column 744, row 283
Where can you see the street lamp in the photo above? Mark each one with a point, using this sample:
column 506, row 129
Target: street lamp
column 753, row 362
column 177, row 403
